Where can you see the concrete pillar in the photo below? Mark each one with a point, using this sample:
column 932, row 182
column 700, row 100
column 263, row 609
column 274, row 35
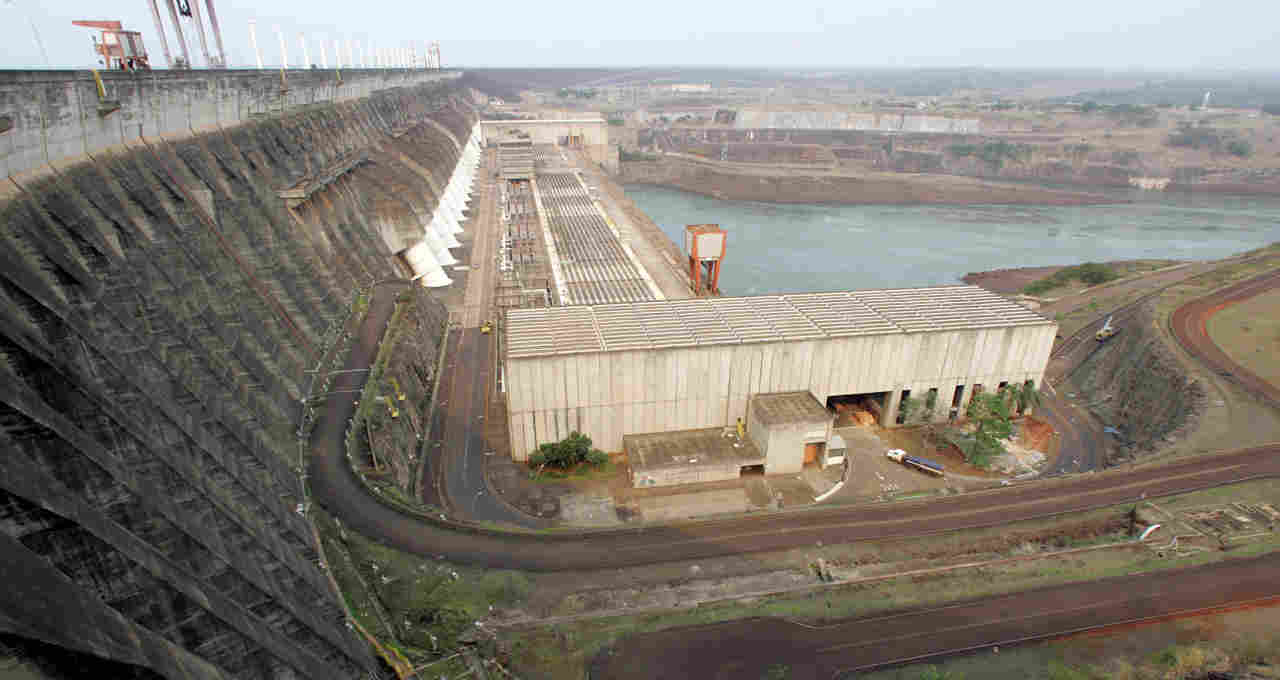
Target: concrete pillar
column 891, row 409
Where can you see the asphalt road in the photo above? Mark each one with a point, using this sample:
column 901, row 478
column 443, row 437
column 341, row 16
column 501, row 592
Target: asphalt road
column 334, row 485
column 463, row 446
column 746, row 648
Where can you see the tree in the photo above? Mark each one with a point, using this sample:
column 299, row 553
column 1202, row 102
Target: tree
column 990, row 415
column 907, row 408
column 930, row 404
column 567, row 452
column 1028, row 396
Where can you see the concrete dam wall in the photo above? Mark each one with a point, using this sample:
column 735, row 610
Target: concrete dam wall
column 162, row 297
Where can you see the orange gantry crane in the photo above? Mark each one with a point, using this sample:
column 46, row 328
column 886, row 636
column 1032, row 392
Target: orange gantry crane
column 119, row 49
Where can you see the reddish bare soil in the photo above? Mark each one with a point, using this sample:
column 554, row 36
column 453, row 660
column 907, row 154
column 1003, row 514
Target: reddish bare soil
column 1008, row 280
column 1189, row 327
column 1036, row 433
column 745, row 649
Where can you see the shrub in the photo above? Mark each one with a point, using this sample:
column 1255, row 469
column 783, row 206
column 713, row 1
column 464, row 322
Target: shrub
column 597, row 457
column 1196, row 137
column 1091, row 273
column 1239, row 147
column 565, row 453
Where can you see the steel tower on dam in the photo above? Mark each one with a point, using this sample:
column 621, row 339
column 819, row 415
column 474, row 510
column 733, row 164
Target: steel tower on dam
column 177, row 252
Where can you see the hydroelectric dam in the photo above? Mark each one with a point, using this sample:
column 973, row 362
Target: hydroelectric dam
column 182, row 254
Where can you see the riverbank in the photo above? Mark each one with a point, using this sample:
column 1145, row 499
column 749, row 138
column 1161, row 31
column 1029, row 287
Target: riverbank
column 746, row 182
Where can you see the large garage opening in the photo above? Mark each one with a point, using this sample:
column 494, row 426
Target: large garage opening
column 858, row 409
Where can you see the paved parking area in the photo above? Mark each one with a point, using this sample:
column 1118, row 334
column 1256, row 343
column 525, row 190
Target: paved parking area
column 872, row 475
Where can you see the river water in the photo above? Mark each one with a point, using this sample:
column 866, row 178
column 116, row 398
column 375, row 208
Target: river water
column 813, row 247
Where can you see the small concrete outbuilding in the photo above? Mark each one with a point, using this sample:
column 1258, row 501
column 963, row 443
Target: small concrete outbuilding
column 789, row 428
column 688, row 457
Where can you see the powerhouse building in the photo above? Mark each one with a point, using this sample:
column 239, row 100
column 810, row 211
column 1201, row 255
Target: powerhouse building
column 619, row 370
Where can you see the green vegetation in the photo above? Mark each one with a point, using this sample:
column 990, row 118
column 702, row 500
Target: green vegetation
column 989, row 412
column 1024, row 397
column 994, row 153
column 1203, row 137
column 568, row 453
column 616, row 121
column 565, row 649
column 1090, row 273
column 624, row 155
column 414, row 606
column 1240, row 148
column 932, row 673
column 907, row 408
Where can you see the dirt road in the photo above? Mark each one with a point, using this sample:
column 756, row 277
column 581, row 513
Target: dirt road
column 746, row 649
column 1189, row 327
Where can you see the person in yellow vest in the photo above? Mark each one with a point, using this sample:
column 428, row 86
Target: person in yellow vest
column 742, row 430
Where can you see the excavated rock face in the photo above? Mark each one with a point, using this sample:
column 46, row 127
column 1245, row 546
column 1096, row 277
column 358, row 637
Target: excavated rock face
column 1046, row 157
column 159, row 306
column 1135, row 385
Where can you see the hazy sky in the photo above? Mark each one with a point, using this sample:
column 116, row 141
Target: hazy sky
column 1150, row 34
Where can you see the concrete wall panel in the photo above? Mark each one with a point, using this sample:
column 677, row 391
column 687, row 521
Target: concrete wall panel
column 686, row 388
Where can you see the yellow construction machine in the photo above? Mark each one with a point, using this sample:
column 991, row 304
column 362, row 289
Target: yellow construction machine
column 1106, row 331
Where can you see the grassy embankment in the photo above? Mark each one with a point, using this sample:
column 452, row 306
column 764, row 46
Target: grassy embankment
column 565, row 649
column 1110, row 297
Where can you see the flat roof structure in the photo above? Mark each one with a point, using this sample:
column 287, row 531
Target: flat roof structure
column 592, row 264
column 702, row 455
column 583, row 329
column 788, row 408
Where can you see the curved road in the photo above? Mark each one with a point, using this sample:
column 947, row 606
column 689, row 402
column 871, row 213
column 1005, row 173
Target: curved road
column 335, row 486
column 1190, row 321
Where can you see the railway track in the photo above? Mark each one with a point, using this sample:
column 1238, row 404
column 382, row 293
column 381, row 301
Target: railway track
column 335, row 487
column 1123, row 312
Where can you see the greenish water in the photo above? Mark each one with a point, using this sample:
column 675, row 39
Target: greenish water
column 804, row 247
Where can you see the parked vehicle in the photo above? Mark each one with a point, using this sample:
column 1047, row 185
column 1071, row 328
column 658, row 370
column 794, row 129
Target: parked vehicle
column 922, row 464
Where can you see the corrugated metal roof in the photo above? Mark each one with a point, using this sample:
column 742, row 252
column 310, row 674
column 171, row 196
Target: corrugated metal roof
column 766, row 318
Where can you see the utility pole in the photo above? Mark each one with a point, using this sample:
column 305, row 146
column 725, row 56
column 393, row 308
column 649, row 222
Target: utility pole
column 284, row 50
column 306, row 53
column 253, row 40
